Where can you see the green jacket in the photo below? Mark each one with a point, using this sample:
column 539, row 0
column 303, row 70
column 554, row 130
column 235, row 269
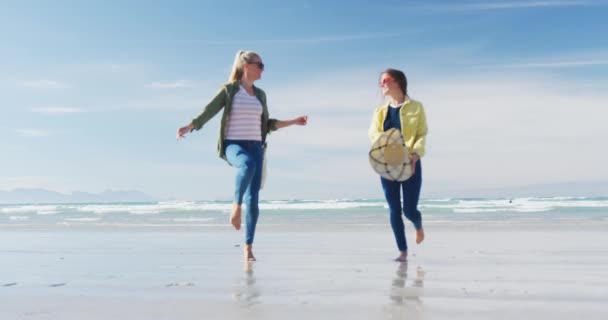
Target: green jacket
column 223, row 99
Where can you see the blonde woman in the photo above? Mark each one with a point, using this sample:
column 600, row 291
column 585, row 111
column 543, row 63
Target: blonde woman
column 243, row 129
column 407, row 116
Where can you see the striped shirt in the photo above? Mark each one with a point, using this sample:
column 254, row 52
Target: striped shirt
column 245, row 119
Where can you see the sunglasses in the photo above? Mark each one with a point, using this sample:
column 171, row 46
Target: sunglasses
column 259, row 64
column 386, row 81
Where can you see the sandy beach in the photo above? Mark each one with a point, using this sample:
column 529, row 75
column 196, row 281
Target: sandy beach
column 531, row 270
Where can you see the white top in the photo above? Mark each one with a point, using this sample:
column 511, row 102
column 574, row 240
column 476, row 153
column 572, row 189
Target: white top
column 245, row 118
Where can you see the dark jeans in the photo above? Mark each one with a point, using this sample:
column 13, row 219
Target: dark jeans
column 248, row 158
column 411, row 194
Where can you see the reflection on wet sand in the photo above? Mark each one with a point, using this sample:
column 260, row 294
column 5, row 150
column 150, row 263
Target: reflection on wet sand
column 406, row 297
column 247, row 292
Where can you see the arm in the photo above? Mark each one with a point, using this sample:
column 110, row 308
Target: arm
column 301, row 121
column 209, row 112
column 419, row 146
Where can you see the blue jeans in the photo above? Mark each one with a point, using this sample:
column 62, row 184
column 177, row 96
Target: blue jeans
column 411, row 194
column 248, row 158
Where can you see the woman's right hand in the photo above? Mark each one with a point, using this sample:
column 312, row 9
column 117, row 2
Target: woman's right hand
column 414, row 157
column 181, row 132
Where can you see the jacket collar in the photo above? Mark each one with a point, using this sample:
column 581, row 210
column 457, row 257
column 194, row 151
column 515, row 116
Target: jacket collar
column 405, row 103
column 233, row 87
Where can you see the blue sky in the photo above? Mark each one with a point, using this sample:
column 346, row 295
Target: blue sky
column 93, row 92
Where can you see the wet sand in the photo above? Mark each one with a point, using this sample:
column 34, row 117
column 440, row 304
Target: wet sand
column 532, row 270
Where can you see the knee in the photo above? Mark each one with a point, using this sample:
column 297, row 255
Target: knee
column 249, row 165
column 251, row 199
column 410, row 212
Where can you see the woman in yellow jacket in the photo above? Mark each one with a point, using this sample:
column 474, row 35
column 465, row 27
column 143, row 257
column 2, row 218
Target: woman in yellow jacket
column 407, row 115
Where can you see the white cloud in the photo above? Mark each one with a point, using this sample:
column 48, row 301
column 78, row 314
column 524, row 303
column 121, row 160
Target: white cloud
column 332, row 38
column 101, row 68
column 162, row 103
column 43, row 84
column 115, row 67
column 486, row 129
column 506, row 5
column 57, row 110
column 172, row 84
column 336, row 92
column 555, row 64
column 32, row 133
column 308, row 40
column 533, row 4
column 580, row 59
column 497, row 130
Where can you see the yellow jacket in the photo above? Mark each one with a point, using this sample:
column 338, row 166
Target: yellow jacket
column 413, row 125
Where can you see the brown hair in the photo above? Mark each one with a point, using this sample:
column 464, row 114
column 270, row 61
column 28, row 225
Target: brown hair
column 399, row 76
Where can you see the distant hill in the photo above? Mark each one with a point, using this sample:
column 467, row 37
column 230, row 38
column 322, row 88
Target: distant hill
column 48, row 196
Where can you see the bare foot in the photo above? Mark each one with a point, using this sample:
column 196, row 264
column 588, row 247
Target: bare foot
column 419, row 235
column 249, row 253
column 235, row 216
column 402, row 257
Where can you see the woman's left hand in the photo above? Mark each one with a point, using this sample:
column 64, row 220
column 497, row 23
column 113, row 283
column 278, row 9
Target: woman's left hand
column 301, row 121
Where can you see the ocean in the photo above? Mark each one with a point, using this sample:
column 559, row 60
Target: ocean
column 302, row 212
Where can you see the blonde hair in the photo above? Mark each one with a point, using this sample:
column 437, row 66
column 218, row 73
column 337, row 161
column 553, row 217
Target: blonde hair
column 242, row 57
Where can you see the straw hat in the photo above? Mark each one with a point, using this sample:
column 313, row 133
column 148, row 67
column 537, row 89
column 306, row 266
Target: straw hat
column 389, row 156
